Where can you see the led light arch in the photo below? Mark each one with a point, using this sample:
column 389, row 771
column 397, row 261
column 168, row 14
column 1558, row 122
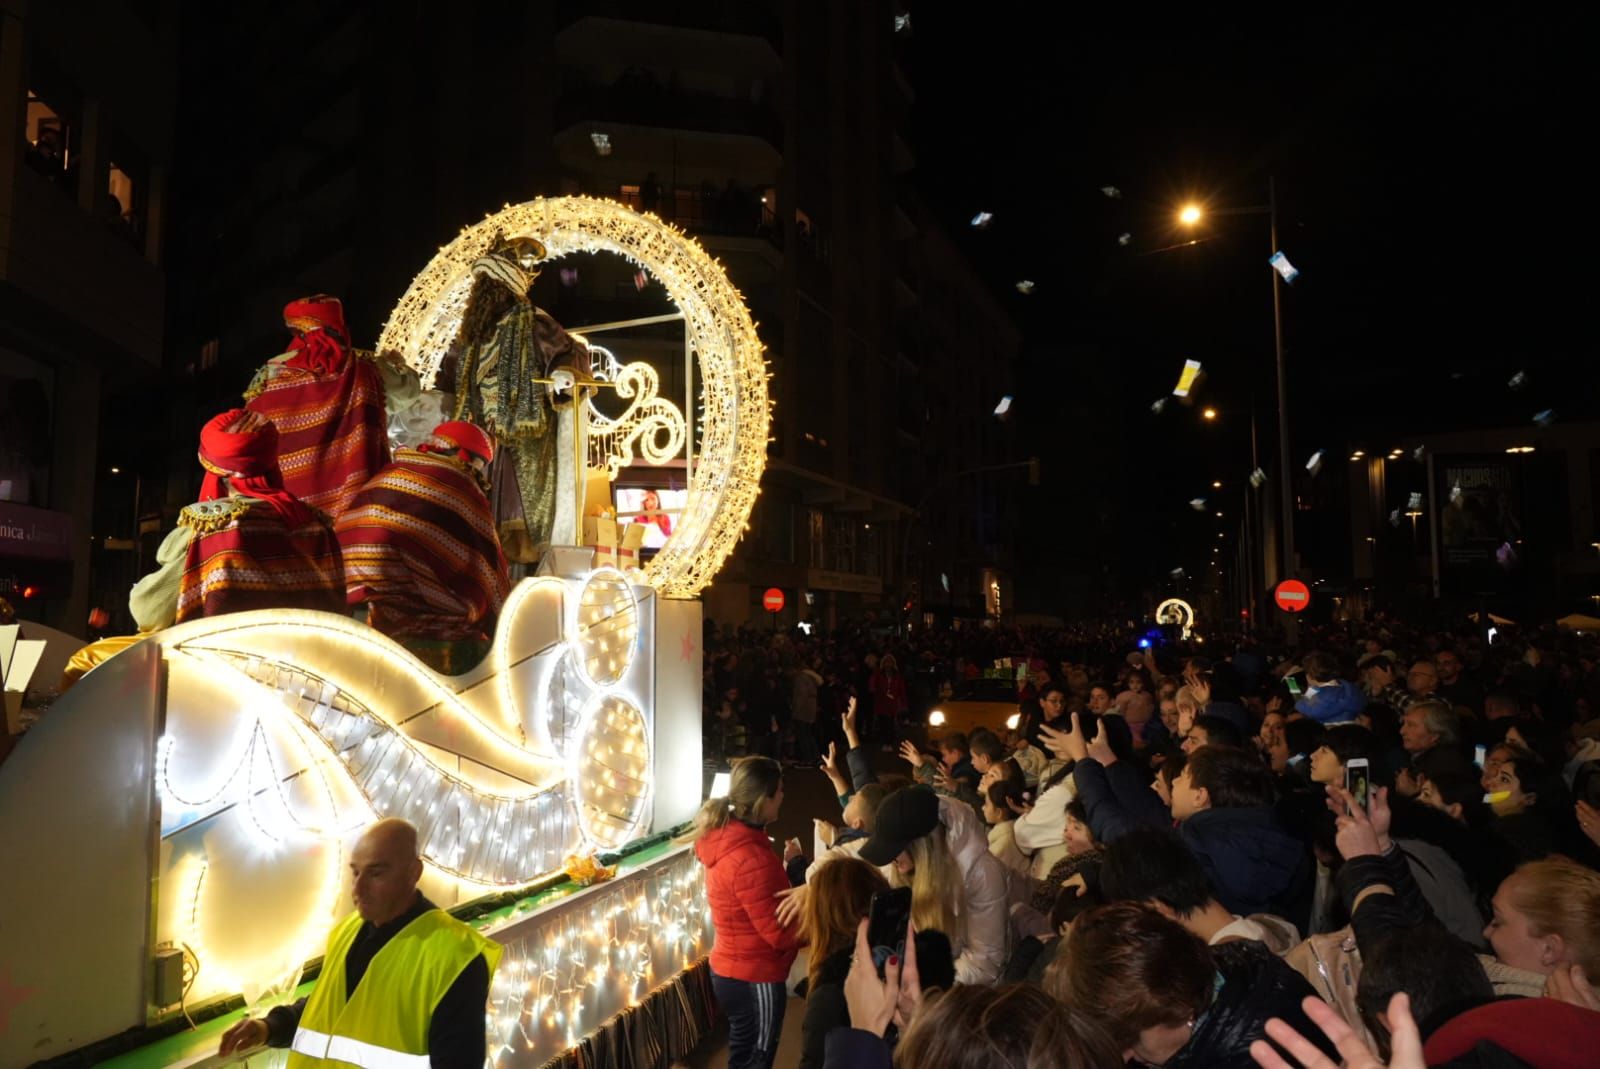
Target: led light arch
column 719, row 331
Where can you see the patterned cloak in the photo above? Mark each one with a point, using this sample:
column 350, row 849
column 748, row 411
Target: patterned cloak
column 420, row 548
column 332, row 428
column 243, row 556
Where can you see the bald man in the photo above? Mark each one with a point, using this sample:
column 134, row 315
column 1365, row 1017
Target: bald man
column 402, row 983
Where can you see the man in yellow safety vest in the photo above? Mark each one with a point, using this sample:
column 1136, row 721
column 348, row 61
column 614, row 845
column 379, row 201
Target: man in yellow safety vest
column 403, row 983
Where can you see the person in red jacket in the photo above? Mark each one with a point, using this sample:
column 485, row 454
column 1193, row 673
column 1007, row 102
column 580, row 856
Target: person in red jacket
column 752, row 953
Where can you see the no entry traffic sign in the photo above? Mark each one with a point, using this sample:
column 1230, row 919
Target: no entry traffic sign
column 1292, row 596
column 772, row 600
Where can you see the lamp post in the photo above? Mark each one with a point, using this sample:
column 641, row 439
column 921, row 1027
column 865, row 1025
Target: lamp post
column 1190, row 215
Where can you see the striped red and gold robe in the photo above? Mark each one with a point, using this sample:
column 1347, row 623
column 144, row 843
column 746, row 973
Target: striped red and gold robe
column 332, row 429
column 420, row 549
column 242, row 556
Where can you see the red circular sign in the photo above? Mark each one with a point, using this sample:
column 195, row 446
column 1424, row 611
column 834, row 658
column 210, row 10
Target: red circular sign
column 772, row 600
column 1292, row 596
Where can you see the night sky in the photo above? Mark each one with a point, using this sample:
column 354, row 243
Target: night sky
column 1429, row 181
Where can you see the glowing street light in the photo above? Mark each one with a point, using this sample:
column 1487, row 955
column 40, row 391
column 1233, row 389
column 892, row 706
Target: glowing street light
column 1209, row 414
column 1189, row 214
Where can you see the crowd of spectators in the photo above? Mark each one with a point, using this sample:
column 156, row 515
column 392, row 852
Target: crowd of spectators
column 1378, row 847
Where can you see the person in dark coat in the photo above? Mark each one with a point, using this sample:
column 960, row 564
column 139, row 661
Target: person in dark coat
column 1223, row 804
column 1168, row 999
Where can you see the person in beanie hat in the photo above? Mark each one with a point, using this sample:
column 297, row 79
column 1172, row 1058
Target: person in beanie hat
column 247, row 543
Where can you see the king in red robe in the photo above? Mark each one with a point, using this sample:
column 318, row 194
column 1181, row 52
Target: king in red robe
column 247, row 543
column 419, row 541
column 328, row 405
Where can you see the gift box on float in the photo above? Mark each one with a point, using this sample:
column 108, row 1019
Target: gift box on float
column 615, row 545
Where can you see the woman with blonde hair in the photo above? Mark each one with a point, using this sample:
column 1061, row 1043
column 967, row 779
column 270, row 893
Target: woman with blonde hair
column 1547, row 918
column 842, row 899
column 934, row 846
column 753, row 950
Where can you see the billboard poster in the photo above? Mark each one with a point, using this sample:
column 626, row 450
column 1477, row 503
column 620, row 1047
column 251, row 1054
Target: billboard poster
column 1480, row 512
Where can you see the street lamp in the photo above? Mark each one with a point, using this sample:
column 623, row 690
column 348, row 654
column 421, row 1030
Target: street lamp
column 1190, row 215
column 1209, row 414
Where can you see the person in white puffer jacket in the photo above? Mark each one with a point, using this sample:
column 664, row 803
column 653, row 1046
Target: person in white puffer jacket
column 936, row 847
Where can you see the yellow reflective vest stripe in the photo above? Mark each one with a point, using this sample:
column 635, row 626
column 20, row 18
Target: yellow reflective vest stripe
column 384, row 1023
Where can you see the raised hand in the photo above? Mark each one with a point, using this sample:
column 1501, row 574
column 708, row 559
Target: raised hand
column 848, row 722
column 910, row 998
column 909, row 751
column 871, row 999
column 1356, row 836
column 1100, row 746
column 1405, row 1041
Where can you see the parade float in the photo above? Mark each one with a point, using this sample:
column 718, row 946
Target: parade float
column 177, row 828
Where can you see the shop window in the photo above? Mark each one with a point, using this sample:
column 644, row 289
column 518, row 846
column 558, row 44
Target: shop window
column 817, row 539
column 842, row 544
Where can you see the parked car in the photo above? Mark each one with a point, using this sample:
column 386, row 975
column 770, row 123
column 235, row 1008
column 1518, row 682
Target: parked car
column 975, row 703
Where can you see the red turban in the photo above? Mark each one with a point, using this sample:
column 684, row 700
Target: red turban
column 466, row 438
column 322, row 340
column 249, row 461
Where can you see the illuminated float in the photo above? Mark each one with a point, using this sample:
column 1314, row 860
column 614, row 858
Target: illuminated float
column 176, row 830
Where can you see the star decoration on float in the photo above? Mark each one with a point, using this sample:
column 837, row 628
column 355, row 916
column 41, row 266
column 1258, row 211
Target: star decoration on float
column 687, row 649
column 11, row 996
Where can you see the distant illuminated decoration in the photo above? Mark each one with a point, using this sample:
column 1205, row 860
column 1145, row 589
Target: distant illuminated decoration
column 734, row 417
column 1179, row 612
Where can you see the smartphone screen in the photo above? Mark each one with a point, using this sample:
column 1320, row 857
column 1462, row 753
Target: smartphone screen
column 1294, row 686
column 1358, row 780
column 886, row 923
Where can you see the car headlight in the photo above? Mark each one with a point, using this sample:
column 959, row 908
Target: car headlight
column 1013, row 720
column 936, row 718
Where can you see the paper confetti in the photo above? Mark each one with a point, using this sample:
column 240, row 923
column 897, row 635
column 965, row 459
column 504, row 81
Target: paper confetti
column 1158, row 405
column 1418, row 453
column 640, row 279
column 1025, row 286
column 1198, row 504
column 1505, row 556
column 1124, row 238
column 569, row 276
column 1414, row 503
column 1112, row 191
column 1518, row 380
column 902, row 23
column 1257, row 478
column 602, row 143
column 982, row 220
column 1394, row 518
column 1280, row 263
column 1455, row 494
column 1314, row 465
column 1545, row 418
column 1186, row 378
column 1004, row 406
column 1176, row 573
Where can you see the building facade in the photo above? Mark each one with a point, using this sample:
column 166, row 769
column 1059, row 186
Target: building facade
column 86, row 143
column 353, row 145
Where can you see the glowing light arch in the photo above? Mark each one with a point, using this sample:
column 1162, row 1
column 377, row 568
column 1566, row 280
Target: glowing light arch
column 719, row 331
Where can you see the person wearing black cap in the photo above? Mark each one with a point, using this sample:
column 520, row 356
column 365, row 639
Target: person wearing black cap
column 934, row 846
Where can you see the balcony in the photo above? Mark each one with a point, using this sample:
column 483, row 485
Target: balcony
column 743, row 18
column 71, row 263
column 638, row 99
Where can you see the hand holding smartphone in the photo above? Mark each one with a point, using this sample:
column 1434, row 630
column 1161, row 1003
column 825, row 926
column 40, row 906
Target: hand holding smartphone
column 887, row 918
column 1358, row 781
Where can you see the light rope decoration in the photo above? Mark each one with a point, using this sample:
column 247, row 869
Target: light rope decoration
column 719, row 332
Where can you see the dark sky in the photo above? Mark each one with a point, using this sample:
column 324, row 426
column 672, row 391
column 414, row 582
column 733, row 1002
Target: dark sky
column 1432, row 187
